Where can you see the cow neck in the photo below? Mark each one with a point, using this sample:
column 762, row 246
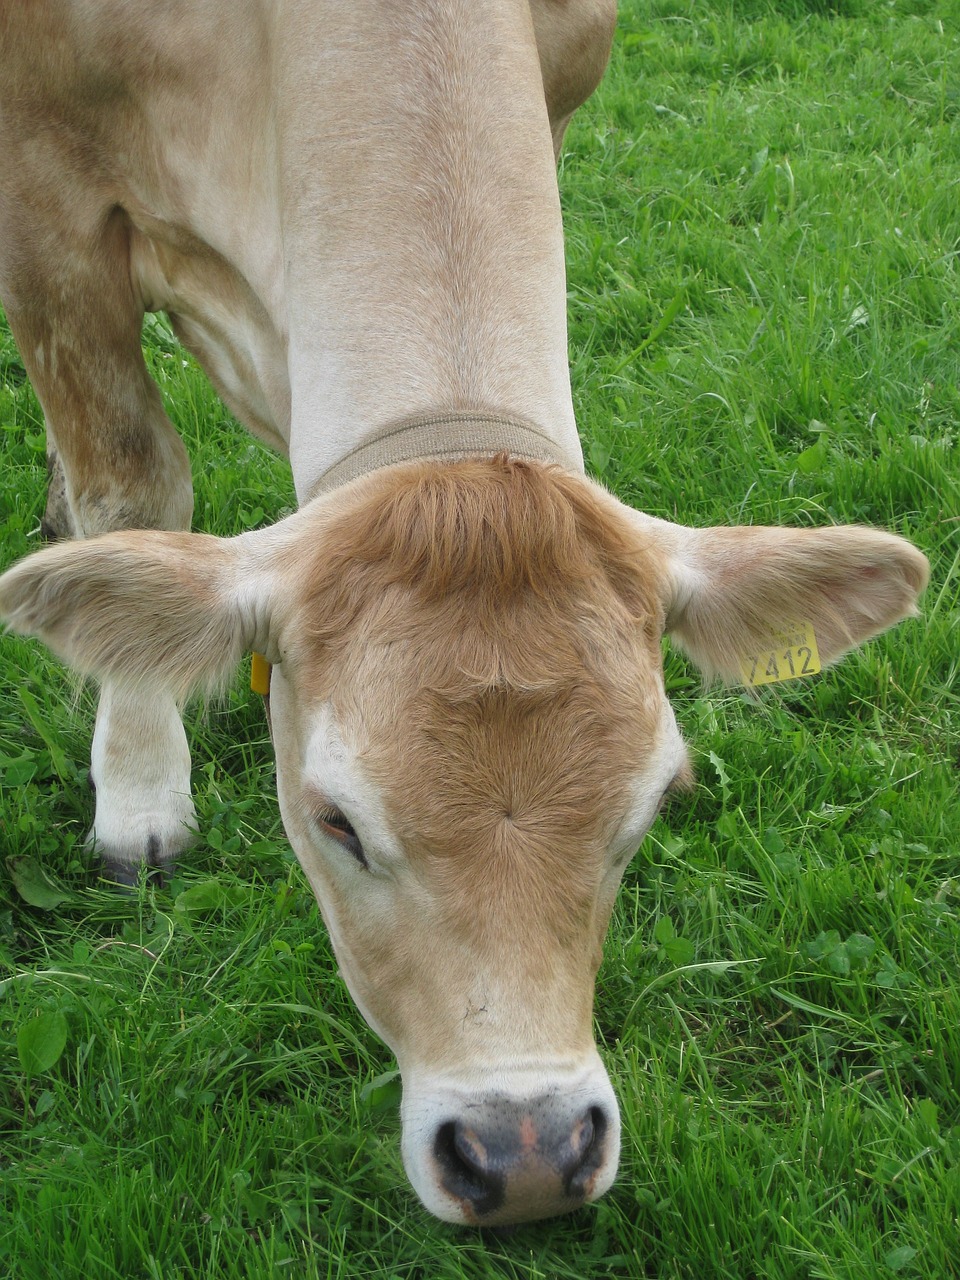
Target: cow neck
column 446, row 437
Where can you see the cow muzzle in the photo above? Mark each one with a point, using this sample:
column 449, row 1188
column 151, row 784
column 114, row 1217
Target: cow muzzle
column 498, row 1158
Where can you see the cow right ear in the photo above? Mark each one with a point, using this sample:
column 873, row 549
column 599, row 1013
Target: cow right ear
column 172, row 610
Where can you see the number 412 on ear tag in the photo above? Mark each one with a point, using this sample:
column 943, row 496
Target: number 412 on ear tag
column 792, row 655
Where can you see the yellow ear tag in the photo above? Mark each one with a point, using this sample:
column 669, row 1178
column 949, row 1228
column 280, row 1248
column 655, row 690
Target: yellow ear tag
column 793, row 654
column 260, row 674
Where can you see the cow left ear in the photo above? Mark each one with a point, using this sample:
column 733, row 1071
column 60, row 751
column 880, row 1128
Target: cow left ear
column 730, row 591
column 172, row 610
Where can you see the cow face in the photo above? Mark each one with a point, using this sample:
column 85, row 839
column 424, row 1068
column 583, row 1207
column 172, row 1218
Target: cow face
column 464, row 775
column 472, row 738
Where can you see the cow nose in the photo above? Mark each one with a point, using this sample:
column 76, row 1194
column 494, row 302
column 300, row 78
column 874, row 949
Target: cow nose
column 509, row 1161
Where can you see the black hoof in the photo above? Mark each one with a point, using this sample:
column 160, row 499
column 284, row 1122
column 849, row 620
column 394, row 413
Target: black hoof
column 127, row 875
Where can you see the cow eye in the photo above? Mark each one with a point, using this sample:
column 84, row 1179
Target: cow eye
column 334, row 823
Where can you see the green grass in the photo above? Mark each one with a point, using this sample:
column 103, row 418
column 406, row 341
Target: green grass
column 763, row 235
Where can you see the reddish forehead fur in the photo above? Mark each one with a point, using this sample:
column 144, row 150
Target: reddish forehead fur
column 494, row 625
column 491, row 532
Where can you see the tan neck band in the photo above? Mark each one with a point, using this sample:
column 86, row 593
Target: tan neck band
column 448, row 437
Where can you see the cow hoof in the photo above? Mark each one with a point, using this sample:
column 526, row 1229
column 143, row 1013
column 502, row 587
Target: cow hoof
column 152, row 869
column 49, row 532
column 127, row 875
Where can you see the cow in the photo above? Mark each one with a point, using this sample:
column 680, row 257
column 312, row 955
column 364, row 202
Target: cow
column 350, row 214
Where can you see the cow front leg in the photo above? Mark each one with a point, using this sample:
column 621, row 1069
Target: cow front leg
column 140, row 771
column 115, row 462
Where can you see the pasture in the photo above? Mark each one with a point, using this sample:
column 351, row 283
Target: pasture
column 761, row 206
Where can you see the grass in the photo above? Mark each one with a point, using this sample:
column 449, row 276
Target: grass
column 764, row 308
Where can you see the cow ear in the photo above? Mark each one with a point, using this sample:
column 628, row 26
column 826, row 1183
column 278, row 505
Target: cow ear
column 168, row 609
column 731, row 590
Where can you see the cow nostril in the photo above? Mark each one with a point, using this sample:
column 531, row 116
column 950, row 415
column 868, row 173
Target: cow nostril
column 467, row 1172
column 587, row 1150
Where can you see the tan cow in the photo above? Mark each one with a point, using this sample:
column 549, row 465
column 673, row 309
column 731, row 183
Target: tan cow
column 350, row 213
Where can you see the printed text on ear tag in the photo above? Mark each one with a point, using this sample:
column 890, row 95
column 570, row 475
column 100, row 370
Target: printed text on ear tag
column 791, row 656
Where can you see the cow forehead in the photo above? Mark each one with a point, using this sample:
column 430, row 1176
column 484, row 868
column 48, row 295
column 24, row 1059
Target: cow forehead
column 535, row 765
column 462, row 776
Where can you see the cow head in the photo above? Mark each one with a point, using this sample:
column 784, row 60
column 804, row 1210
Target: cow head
column 472, row 739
